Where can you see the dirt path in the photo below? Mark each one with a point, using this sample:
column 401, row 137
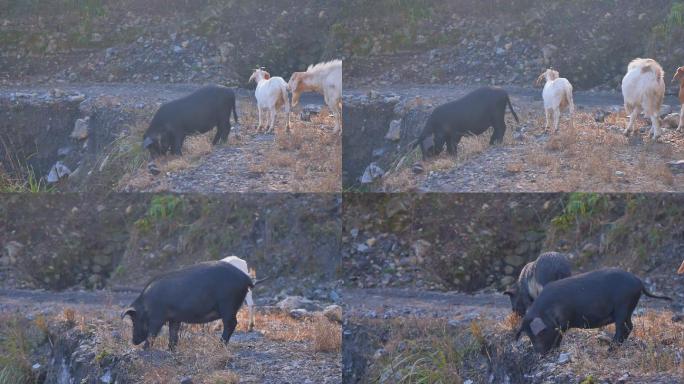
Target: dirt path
column 391, row 303
column 254, row 357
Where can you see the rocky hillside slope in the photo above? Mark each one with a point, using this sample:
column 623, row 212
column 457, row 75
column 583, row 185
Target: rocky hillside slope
column 506, row 42
column 58, row 241
column 175, row 41
column 476, row 241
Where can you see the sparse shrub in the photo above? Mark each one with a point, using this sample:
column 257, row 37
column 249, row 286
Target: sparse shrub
column 161, row 209
column 580, row 206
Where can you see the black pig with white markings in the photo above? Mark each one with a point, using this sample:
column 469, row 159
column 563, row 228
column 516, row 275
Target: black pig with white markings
column 588, row 300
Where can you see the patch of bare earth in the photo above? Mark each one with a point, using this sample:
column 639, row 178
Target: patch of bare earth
column 592, row 157
column 307, row 159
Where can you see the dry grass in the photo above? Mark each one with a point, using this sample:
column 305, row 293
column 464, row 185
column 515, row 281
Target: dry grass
column 429, row 350
column 318, row 332
column 591, row 157
column 200, row 353
column 403, row 179
column 424, row 350
column 310, row 153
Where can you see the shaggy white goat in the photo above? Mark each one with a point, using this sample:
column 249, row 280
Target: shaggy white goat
column 324, row 78
column 271, row 94
column 557, row 95
column 643, row 89
column 242, row 266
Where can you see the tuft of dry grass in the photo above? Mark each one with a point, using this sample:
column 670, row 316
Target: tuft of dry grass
column 327, row 336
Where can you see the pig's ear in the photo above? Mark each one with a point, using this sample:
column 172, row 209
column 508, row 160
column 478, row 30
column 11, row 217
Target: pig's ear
column 130, row 311
column 537, row 325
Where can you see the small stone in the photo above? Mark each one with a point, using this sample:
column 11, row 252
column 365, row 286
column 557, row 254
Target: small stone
column 421, row 248
column 36, row 366
column 58, row 172
column 186, row 380
column 106, row 378
column 563, row 358
column 371, row 173
column 676, row 167
column 299, row 313
column 671, row 121
column 514, row 260
column 417, row 168
column 619, row 174
column 363, row 248
column 333, row 313
column 80, row 130
column 394, row 133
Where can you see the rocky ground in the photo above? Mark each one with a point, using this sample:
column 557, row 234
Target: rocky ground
column 294, row 342
column 94, row 132
column 595, row 156
column 386, row 331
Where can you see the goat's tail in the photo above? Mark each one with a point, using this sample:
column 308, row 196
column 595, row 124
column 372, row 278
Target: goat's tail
column 510, row 106
column 234, row 110
column 649, row 294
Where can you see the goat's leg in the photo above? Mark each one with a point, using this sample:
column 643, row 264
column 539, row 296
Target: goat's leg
column 681, row 119
column 337, row 113
column 571, row 111
column 548, row 117
column 272, row 115
column 259, row 127
column 655, row 125
column 633, row 114
column 287, row 116
column 250, row 305
column 556, row 119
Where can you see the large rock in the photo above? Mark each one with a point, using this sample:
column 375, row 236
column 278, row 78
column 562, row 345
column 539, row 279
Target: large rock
column 291, row 303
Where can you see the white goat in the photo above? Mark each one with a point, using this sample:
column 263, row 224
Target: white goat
column 271, row 94
column 557, row 95
column 242, row 266
column 643, row 89
column 324, row 78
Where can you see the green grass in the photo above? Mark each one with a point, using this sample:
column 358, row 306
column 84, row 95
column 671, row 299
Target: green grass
column 31, row 183
column 162, row 209
column 580, row 206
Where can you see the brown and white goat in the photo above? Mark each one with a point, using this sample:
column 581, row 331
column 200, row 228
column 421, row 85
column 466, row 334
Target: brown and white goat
column 323, row 78
column 643, row 89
